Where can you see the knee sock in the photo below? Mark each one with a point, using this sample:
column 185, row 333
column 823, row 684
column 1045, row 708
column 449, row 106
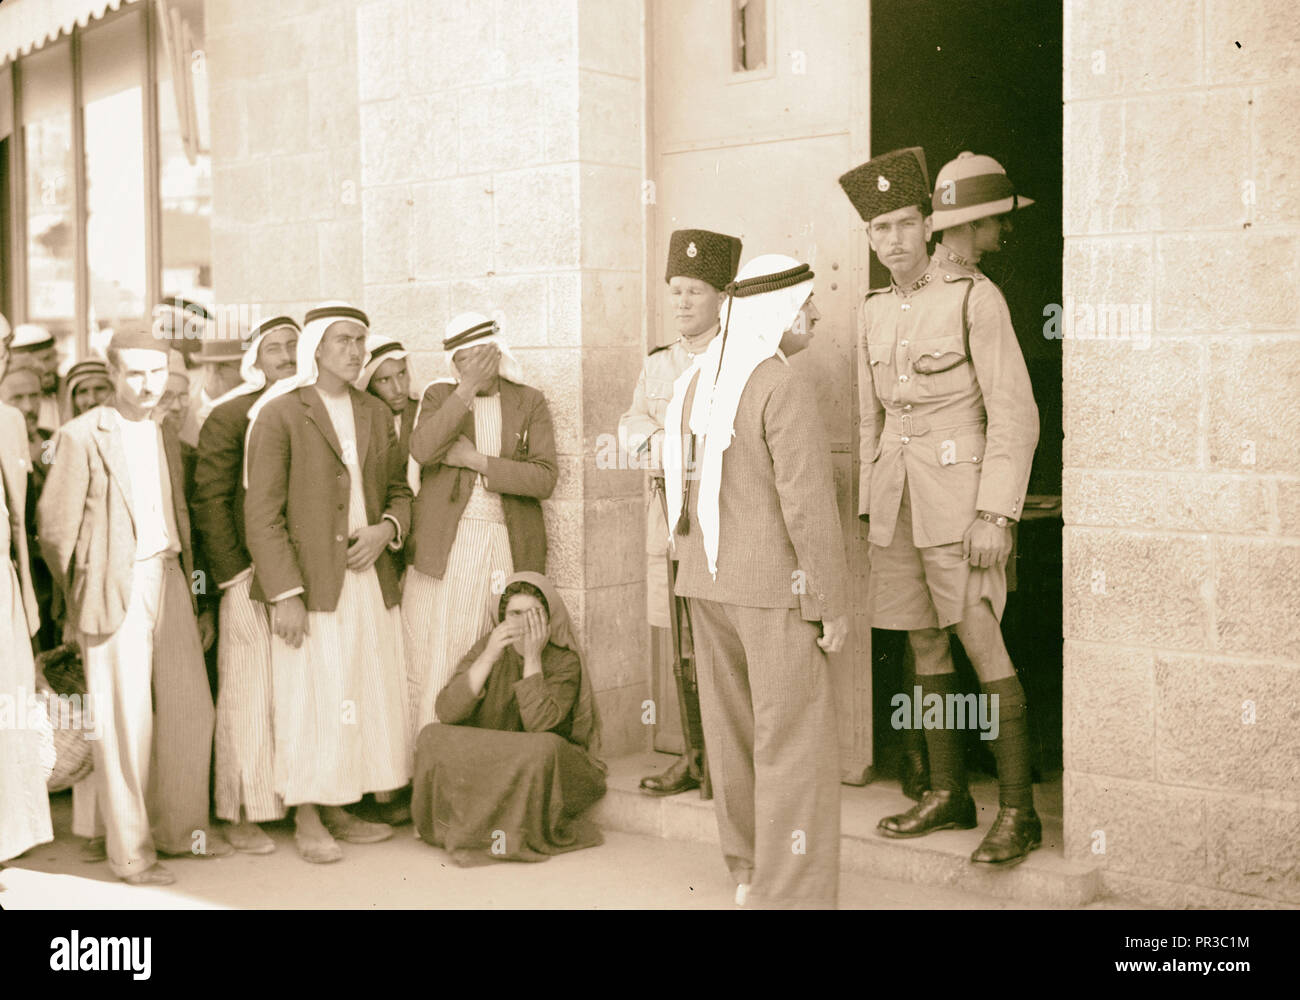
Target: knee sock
column 1011, row 748
column 947, row 754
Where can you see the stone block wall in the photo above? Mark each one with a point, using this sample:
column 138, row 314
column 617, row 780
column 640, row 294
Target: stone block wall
column 1182, row 473
column 286, row 152
column 501, row 152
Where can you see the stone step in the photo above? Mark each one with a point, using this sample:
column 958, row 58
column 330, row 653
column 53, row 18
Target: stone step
column 941, row 859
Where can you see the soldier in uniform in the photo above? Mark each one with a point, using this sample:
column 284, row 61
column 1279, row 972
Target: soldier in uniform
column 700, row 265
column 947, row 430
column 973, row 199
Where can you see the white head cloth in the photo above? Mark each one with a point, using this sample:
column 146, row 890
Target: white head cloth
column 509, row 368
column 373, row 361
column 254, row 379
column 319, row 320
column 754, row 325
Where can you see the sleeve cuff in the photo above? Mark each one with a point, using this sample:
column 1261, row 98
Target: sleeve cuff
column 286, row 595
column 237, row 578
column 396, row 544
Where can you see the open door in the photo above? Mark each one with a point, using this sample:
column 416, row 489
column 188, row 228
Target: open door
column 986, row 77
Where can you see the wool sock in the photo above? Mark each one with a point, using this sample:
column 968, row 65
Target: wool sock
column 945, row 746
column 1011, row 748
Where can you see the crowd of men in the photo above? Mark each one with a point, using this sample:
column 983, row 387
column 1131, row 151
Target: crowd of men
column 283, row 505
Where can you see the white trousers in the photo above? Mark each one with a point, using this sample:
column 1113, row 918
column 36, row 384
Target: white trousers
column 119, row 683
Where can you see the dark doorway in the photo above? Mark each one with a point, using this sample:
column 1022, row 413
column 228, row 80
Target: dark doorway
column 985, row 76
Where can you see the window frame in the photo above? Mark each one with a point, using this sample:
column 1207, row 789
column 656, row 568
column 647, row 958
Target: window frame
column 17, row 280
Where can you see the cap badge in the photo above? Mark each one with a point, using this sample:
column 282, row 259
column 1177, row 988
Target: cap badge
column 882, row 182
column 692, row 250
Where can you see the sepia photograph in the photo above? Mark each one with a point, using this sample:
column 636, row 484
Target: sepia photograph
column 651, row 455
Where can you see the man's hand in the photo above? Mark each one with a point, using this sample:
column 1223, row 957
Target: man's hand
column 367, row 543
column 289, row 620
column 834, row 632
column 463, row 453
column 207, row 629
column 479, row 369
column 985, row 544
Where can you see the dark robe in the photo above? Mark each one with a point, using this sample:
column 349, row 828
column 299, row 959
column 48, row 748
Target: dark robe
column 500, row 778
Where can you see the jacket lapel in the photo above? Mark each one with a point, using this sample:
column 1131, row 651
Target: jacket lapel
column 511, row 418
column 319, row 416
column 361, row 421
column 109, row 443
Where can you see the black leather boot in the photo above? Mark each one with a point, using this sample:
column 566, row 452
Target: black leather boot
column 914, row 774
column 935, row 811
column 1014, row 834
column 674, row 781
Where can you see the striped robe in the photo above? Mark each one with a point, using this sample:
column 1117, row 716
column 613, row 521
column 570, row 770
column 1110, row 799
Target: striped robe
column 444, row 617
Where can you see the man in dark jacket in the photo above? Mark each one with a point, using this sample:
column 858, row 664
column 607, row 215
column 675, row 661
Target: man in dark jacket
column 245, row 773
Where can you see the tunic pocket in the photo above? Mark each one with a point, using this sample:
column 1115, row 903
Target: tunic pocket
column 961, row 449
column 940, row 365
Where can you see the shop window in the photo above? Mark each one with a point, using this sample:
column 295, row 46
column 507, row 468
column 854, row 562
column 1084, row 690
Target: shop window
column 50, row 193
column 113, row 78
column 748, row 35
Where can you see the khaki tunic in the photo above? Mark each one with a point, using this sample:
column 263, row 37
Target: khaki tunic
column 645, row 420
column 945, row 405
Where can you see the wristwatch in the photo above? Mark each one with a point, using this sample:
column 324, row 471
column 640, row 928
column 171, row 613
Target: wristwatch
column 1001, row 520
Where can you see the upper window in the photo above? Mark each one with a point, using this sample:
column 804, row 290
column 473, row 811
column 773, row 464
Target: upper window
column 748, row 35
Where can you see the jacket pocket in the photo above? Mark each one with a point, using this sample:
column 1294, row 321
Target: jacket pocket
column 659, row 388
column 964, row 449
column 940, row 365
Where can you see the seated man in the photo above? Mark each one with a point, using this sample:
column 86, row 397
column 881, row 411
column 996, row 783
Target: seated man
column 514, row 763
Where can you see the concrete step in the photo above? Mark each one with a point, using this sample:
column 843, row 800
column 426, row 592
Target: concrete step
column 941, row 859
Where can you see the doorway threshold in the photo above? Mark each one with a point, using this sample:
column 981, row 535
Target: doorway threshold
column 940, row 859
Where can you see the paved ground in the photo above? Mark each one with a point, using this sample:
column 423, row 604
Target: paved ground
column 628, row 872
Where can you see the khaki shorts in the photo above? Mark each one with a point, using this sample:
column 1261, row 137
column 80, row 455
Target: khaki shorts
column 914, row 588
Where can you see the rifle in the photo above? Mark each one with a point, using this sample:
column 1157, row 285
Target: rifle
column 679, row 610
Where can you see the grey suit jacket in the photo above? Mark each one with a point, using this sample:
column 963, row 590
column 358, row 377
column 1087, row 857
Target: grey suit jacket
column 15, row 461
column 87, row 529
column 779, row 540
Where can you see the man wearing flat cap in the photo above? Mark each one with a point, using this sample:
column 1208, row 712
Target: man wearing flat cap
column 947, row 428
column 700, row 266
column 973, row 201
column 115, row 532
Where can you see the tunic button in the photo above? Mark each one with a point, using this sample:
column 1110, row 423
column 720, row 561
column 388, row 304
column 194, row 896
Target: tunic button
column 902, row 378
column 338, row 538
column 906, row 306
column 907, row 407
column 974, row 458
column 905, row 439
column 902, row 343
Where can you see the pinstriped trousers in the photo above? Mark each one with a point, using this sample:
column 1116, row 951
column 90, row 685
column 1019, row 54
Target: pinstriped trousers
column 245, row 751
column 769, row 722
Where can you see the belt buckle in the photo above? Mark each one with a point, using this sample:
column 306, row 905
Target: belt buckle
column 906, row 421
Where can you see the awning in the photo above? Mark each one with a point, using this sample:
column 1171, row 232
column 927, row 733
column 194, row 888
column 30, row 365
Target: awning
column 26, row 25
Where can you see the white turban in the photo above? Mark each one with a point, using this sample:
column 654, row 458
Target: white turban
column 753, row 326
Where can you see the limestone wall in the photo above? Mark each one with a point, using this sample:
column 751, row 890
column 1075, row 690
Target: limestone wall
column 1182, row 470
